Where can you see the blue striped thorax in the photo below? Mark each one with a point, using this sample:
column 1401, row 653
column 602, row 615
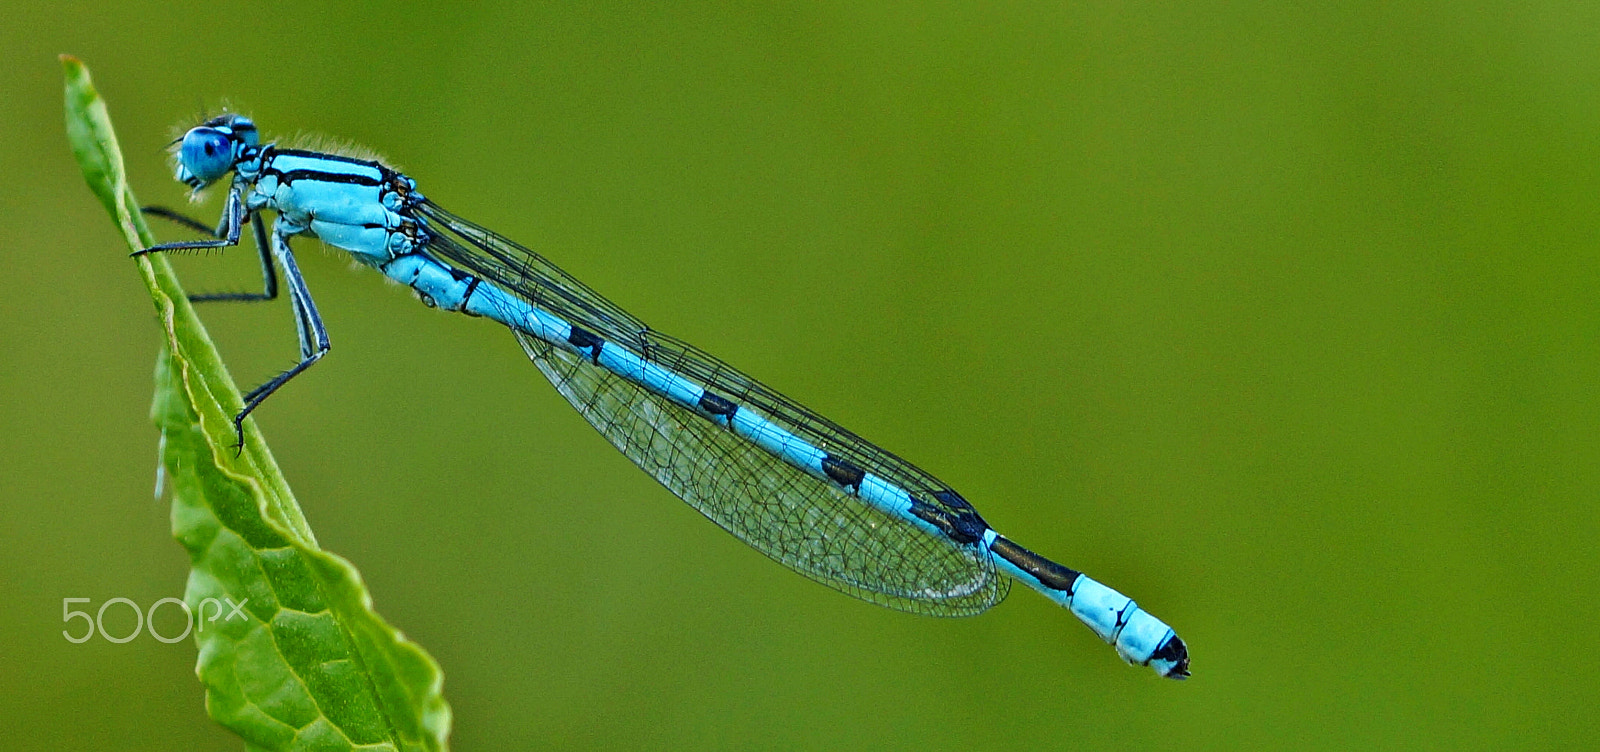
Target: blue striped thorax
column 354, row 204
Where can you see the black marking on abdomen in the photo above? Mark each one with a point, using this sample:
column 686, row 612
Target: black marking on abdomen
column 1047, row 572
column 843, row 472
column 583, row 339
column 962, row 526
column 471, row 287
column 718, row 406
column 1175, row 651
column 953, row 500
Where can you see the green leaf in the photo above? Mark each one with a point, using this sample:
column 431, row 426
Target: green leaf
column 305, row 663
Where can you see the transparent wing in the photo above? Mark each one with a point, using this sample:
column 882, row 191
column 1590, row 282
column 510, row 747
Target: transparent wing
column 806, row 523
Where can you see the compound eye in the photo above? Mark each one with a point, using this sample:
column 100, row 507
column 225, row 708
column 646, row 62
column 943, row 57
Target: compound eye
column 207, row 153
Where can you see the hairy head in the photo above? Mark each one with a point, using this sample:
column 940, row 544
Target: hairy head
column 209, row 150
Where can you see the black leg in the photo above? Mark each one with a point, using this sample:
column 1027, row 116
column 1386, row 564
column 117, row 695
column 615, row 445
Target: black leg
column 313, row 336
column 172, row 215
column 268, row 273
column 226, row 235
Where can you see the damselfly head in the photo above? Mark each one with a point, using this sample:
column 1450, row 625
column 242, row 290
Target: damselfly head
column 208, row 151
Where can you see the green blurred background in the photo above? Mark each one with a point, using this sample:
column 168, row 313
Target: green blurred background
column 1280, row 321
